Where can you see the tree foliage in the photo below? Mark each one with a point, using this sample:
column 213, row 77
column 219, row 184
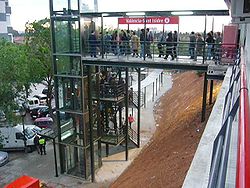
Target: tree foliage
column 14, row 74
column 38, row 39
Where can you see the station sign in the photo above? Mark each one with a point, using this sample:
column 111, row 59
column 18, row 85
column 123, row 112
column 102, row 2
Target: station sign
column 149, row 20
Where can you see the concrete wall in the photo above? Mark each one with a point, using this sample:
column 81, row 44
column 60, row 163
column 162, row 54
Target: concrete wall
column 3, row 28
column 4, row 21
column 2, row 6
column 198, row 173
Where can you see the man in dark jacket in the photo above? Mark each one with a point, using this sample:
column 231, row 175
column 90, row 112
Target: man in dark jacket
column 169, row 46
column 192, row 42
column 92, row 44
column 142, row 42
column 175, row 40
column 36, row 143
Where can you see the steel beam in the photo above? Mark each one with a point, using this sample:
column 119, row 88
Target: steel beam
column 139, row 108
column 204, row 99
column 92, row 158
column 211, row 92
column 158, row 13
column 145, row 64
column 55, row 157
column 126, row 116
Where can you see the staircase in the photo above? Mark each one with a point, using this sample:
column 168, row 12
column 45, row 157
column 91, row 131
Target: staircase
column 133, row 101
column 133, row 136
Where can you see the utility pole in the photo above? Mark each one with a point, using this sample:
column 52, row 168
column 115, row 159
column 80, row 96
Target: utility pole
column 95, row 5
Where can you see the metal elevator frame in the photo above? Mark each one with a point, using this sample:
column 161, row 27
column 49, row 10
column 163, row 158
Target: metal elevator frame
column 79, row 81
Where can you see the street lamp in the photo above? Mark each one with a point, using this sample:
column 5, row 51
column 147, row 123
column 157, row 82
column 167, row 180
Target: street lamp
column 23, row 114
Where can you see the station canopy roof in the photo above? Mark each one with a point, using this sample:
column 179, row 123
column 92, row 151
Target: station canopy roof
column 158, row 13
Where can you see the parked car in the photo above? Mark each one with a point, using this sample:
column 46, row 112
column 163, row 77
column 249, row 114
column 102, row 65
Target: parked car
column 13, row 137
column 42, row 98
column 45, row 92
column 31, row 103
column 2, row 116
column 34, row 128
column 44, row 112
column 4, row 158
column 34, row 111
column 44, row 122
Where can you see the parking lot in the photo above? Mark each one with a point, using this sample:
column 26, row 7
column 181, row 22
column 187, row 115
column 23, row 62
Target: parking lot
column 37, row 166
column 31, row 164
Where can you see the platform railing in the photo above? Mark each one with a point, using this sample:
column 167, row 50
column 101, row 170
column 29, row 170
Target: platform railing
column 224, row 53
column 243, row 153
column 221, row 146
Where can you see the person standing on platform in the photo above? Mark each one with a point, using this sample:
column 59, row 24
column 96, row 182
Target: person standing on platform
column 160, row 44
column 130, row 120
column 169, row 46
column 92, row 44
column 199, row 46
column 107, row 43
column 175, row 40
column 149, row 40
column 192, row 41
column 217, row 46
column 142, row 42
column 210, row 44
column 135, row 44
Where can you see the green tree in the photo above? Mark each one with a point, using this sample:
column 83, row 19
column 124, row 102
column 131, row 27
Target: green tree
column 14, row 75
column 38, row 39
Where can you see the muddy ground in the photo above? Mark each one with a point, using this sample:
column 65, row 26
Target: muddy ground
column 166, row 160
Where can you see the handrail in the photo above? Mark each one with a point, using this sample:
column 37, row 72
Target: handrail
column 221, row 146
column 224, row 53
column 243, row 155
column 132, row 135
column 134, row 98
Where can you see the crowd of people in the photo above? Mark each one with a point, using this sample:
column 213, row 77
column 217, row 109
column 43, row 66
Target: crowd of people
column 139, row 44
column 213, row 45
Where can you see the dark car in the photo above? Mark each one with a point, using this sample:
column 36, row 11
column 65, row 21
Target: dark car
column 44, row 122
column 44, row 112
column 45, row 92
column 4, row 158
column 34, row 111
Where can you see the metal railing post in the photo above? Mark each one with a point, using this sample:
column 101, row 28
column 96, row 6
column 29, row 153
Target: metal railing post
column 153, row 98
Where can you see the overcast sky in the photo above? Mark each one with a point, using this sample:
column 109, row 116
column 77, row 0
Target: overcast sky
column 30, row 10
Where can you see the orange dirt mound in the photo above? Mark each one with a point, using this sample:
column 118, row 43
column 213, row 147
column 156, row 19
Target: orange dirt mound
column 165, row 161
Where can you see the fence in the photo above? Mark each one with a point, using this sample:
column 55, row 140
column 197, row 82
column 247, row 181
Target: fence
column 224, row 53
column 237, row 97
column 222, row 142
column 150, row 86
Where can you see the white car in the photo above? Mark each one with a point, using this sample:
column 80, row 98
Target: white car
column 4, row 158
column 31, row 103
column 42, row 98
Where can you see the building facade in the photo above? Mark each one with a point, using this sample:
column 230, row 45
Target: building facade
column 5, row 12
